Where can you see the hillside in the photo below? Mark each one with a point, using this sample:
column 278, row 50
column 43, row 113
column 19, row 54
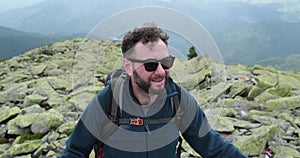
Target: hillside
column 15, row 42
column 288, row 63
column 259, row 41
column 44, row 91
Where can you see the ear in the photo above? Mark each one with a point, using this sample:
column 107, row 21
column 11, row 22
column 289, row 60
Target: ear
column 127, row 66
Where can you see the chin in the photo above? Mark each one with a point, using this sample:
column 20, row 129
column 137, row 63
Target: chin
column 157, row 90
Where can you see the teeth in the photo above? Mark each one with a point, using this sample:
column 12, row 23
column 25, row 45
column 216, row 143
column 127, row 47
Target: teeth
column 157, row 80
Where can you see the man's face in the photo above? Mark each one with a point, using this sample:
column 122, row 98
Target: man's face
column 150, row 81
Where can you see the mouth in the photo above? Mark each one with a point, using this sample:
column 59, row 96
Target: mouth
column 158, row 80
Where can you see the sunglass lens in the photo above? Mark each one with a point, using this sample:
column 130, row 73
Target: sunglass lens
column 167, row 63
column 151, row 66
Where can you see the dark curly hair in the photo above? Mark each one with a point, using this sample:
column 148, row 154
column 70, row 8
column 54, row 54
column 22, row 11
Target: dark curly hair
column 147, row 33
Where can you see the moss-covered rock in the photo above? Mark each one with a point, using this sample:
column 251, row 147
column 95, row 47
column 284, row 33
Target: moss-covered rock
column 25, row 137
column 33, row 109
column 33, row 99
column 264, row 96
column 13, row 93
column 60, row 84
column 4, row 147
column 286, row 117
column 285, row 151
column 221, row 124
column 265, row 120
column 81, row 100
column 237, row 70
column 6, row 112
column 239, row 88
column 14, row 129
column 37, row 122
column 211, row 95
column 289, row 79
column 255, row 144
column 46, row 121
column 280, row 104
column 24, row 148
column 240, row 103
column 67, row 127
column 244, row 124
column 38, row 69
column 195, row 73
column 263, row 113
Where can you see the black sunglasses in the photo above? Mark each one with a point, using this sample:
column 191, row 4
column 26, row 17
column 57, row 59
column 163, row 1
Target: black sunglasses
column 152, row 64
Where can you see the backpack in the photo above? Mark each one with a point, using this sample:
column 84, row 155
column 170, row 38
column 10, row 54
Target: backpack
column 113, row 112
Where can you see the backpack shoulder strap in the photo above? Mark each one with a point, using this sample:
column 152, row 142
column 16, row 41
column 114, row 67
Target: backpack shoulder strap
column 175, row 100
column 113, row 111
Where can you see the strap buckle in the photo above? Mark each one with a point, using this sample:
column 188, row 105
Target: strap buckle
column 136, row 121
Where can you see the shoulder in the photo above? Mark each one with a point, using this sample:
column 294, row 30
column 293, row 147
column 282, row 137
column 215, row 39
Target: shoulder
column 103, row 93
column 100, row 99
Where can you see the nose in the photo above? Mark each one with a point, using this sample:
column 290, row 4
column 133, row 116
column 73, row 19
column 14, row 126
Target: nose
column 159, row 70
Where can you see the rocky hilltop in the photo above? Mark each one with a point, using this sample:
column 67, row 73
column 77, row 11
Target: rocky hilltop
column 44, row 91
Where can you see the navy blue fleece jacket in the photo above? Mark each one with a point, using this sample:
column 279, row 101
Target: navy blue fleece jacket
column 149, row 140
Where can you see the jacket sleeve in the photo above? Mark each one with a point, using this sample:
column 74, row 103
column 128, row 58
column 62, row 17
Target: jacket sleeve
column 86, row 132
column 80, row 143
column 197, row 132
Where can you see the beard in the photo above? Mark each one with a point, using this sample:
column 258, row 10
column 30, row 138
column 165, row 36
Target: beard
column 146, row 85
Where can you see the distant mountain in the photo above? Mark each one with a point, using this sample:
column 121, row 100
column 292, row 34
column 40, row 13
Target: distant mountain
column 76, row 16
column 245, row 31
column 291, row 62
column 14, row 42
column 260, row 41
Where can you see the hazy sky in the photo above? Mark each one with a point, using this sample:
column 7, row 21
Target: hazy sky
column 12, row 4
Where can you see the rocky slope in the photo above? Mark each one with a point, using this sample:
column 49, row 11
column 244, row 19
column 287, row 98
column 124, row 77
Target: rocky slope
column 44, row 91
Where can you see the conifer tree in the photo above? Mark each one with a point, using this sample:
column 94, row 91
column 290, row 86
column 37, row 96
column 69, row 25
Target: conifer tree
column 192, row 53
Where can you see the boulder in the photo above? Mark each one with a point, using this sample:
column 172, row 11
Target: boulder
column 255, row 144
column 33, row 99
column 24, row 148
column 285, row 103
column 222, row 124
column 67, row 127
column 285, row 151
column 37, row 122
column 6, row 112
column 13, row 93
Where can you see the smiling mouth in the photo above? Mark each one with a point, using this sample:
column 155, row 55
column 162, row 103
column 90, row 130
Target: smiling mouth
column 158, row 79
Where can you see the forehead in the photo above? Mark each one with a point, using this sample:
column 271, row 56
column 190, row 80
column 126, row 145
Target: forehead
column 155, row 50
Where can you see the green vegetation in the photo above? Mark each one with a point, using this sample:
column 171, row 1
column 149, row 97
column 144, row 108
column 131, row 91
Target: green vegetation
column 26, row 136
column 192, row 53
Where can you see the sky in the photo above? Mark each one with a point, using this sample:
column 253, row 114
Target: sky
column 13, row 4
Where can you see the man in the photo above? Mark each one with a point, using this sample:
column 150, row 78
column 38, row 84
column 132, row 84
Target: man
column 144, row 93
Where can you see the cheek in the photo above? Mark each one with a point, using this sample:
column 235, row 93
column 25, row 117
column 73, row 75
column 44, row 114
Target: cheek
column 143, row 73
column 168, row 71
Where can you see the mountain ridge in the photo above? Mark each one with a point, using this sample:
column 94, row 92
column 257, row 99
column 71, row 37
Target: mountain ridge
column 15, row 42
column 230, row 23
column 287, row 63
